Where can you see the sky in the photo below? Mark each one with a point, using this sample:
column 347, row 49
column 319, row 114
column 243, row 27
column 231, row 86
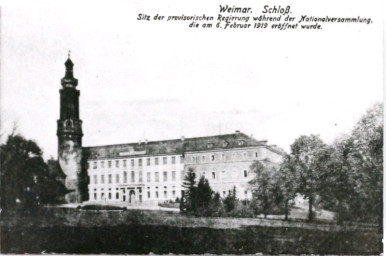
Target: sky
column 163, row 80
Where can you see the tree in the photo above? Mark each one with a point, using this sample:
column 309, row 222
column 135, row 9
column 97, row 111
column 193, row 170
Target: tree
column 366, row 163
column 308, row 157
column 203, row 197
column 284, row 185
column 262, row 186
column 230, row 200
column 25, row 177
column 189, row 193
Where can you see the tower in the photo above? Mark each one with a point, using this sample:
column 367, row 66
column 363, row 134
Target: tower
column 70, row 134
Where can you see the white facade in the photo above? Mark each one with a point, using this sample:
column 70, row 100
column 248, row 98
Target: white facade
column 139, row 178
column 136, row 178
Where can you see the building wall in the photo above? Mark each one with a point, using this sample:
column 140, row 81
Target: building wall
column 226, row 169
column 159, row 178
column 152, row 178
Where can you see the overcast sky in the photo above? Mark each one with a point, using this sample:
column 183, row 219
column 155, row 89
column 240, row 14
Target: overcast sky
column 162, row 80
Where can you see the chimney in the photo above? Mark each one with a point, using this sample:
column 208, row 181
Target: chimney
column 146, row 141
column 237, row 131
column 182, row 138
column 139, row 142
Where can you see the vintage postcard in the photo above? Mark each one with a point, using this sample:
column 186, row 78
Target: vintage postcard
column 191, row 127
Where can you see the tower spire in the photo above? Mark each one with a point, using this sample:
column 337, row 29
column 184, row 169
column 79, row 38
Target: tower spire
column 68, row 80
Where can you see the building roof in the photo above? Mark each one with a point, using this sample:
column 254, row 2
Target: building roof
column 176, row 146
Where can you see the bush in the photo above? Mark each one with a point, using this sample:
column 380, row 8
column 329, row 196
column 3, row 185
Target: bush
column 101, row 207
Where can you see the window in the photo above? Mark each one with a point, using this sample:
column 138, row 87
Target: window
column 234, row 174
column 174, row 193
column 103, row 164
column 116, row 195
column 181, row 159
column 124, row 177
column 210, row 145
column 223, row 175
column 110, row 178
column 148, row 194
column 203, row 158
column 109, row 163
column 224, row 193
column 117, row 163
column 102, row 195
column 245, row 155
column 241, row 142
column 102, row 179
column 124, row 163
column 156, row 194
column 173, row 159
column 95, row 196
column 245, row 173
column 140, row 177
column 212, row 157
column 203, row 174
column 95, row 179
column 95, row 165
column 165, row 160
column 109, row 195
column 139, row 162
column 193, row 159
column 165, row 194
column 132, row 162
column 213, row 175
column 156, row 161
column 174, row 175
column 256, row 154
column 148, row 161
column 156, row 176
column 148, row 177
column 165, row 176
column 117, row 178
column 132, row 177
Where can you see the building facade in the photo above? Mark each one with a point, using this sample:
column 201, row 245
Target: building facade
column 152, row 171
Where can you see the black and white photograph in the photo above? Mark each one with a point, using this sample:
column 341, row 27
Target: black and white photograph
column 191, row 127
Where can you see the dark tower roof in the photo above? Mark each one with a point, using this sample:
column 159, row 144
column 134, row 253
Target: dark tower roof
column 68, row 80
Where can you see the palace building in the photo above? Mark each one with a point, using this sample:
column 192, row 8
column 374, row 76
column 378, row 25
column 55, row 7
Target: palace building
column 151, row 171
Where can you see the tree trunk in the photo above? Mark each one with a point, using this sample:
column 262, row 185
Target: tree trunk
column 286, row 210
column 310, row 202
column 265, row 215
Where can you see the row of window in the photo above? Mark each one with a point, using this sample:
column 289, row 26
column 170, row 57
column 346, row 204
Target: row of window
column 222, row 157
column 122, row 196
column 138, row 162
column 224, row 174
column 100, row 179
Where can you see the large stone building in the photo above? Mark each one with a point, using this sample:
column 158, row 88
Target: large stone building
column 152, row 170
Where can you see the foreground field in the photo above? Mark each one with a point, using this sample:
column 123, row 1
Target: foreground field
column 138, row 232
